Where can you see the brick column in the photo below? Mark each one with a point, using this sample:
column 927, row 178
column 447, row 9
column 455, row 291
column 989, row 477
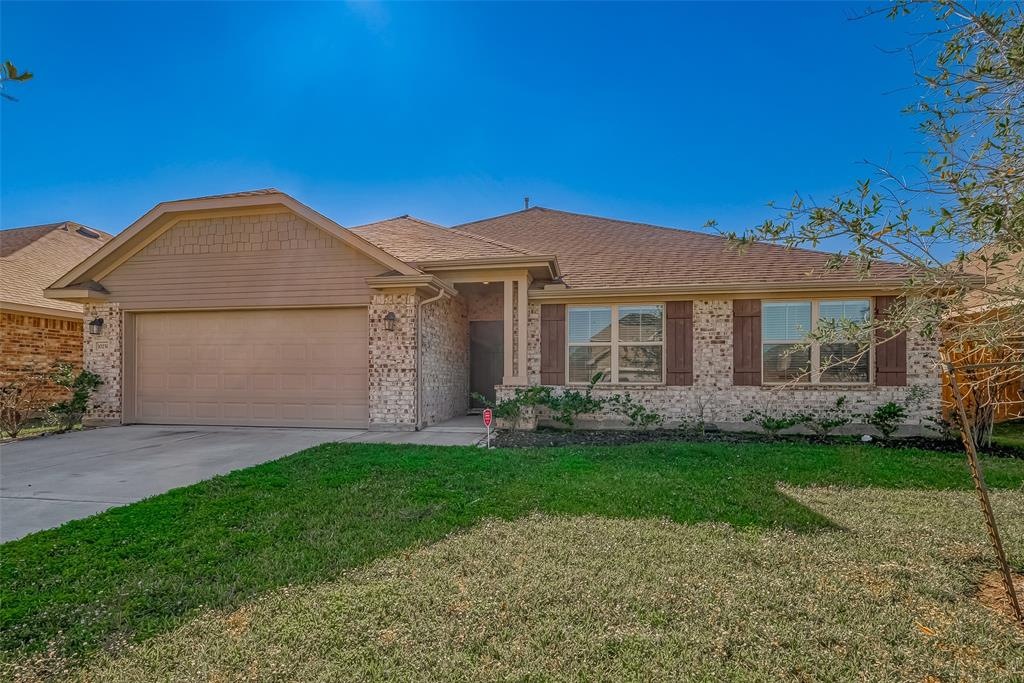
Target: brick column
column 102, row 354
column 392, row 362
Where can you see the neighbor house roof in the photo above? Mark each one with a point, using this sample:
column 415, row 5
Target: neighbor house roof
column 595, row 253
column 32, row 258
column 1004, row 277
column 414, row 240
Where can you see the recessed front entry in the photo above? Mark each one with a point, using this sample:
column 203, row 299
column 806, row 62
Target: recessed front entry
column 485, row 357
column 287, row 367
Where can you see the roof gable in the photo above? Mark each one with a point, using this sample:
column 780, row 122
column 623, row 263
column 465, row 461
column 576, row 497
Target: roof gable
column 596, row 252
column 166, row 214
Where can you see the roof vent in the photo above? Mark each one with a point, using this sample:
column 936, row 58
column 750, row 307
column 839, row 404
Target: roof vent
column 86, row 232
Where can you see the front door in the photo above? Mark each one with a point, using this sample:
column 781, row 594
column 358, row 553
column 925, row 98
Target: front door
column 485, row 357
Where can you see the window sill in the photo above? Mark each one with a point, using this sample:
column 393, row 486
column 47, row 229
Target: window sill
column 821, row 385
column 616, row 385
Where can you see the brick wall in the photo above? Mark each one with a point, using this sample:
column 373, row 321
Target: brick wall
column 103, row 354
column 726, row 405
column 32, row 344
column 445, row 359
column 392, row 368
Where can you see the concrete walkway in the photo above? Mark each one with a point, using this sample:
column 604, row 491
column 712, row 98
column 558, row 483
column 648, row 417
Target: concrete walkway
column 50, row 480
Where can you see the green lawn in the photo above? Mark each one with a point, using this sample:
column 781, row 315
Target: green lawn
column 137, row 572
column 1009, row 434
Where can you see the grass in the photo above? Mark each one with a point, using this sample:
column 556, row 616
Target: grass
column 1009, row 434
column 142, row 570
column 592, row 598
column 36, row 431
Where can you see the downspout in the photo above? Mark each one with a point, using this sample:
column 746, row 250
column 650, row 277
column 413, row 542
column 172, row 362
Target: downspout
column 419, row 353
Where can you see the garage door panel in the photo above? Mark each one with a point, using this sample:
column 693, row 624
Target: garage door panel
column 275, row 367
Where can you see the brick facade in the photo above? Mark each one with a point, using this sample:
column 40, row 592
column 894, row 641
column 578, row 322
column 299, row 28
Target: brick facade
column 392, row 365
column 103, row 355
column 726, row 405
column 31, row 344
column 445, row 359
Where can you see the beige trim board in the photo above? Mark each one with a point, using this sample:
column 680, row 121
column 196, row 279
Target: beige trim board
column 74, row 294
column 492, row 275
column 618, row 294
column 258, row 307
column 41, row 311
column 415, row 282
column 549, row 263
column 160, row 217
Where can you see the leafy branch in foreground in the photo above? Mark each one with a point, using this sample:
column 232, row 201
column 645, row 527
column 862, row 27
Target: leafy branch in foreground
column 951, row 233
column 10, row 74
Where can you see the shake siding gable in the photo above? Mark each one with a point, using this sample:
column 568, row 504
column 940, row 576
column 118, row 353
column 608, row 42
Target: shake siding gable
column 746, row 342
column 243, row 261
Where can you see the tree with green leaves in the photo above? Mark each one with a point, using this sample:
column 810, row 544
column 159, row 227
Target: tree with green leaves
column 957, row 223
column 965, row 198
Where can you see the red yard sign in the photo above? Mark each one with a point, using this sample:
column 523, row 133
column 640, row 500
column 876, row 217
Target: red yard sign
column 488, row 416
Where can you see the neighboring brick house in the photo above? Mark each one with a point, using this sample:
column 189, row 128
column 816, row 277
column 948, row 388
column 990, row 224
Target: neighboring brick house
column 36, row 332
column 254, row 309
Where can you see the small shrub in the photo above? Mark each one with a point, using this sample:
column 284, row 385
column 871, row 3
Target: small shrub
column 66, row 414
column 886, row 418
column 638, row 415
column 20, row 401
column 703, row 403
column 511, row 409
column 824, row 422
column 572, row 403
column 771, row 422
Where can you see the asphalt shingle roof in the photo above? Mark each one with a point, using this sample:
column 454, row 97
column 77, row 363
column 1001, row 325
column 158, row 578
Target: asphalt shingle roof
column 413, row 241
column 32, row 258
column 596, row 252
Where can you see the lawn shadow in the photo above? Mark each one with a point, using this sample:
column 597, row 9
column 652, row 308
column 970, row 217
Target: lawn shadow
column 141, row 569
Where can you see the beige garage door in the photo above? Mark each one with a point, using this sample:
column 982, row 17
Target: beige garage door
column 272, row 368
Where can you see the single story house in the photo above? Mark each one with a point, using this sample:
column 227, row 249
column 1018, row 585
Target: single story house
column 254, row 309
column 37, row 332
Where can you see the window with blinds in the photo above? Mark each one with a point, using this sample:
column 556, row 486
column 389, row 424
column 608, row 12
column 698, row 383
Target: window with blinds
column 625, row 343
column 788, row 355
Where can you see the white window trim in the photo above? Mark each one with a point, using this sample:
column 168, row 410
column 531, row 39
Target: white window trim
column 614, row 344
column 815, row 378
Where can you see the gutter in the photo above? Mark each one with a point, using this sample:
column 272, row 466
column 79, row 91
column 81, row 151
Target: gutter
column 725, row 290
column 441, row 293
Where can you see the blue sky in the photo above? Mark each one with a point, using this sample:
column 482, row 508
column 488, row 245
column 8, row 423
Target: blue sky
column 665, row 113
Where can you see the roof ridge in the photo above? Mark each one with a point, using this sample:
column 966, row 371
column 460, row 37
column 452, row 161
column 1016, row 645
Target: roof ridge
column 648, row 225
column 500, row 215
column 404, row 216
column 493, row 241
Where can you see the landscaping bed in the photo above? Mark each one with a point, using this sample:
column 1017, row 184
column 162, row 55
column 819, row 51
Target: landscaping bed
column 549, row 438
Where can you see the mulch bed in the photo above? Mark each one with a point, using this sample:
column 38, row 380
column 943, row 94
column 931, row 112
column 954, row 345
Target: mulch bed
column 544, row 438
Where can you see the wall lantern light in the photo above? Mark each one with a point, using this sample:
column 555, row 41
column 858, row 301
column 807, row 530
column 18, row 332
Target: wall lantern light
column 95, row 325
column 389, row 321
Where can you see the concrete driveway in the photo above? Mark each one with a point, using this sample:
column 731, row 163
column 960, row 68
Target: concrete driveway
column 47, row 481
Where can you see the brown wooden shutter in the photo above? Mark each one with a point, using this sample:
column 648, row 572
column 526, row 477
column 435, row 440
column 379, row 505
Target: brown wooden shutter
column 890, row 354
column 552, row 344
column 746, row 342
column 679, row 343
